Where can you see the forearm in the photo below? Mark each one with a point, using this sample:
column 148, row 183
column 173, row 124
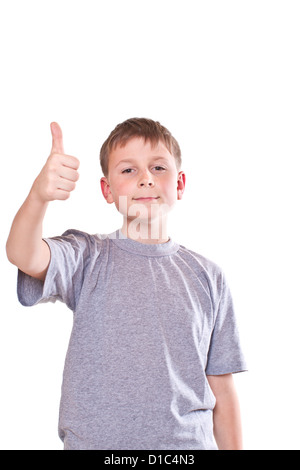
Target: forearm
column 25, row 247
column 227, row 428
column 226, row 414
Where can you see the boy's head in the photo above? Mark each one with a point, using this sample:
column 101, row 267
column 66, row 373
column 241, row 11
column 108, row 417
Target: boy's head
column 151, row 131
column 141, row 163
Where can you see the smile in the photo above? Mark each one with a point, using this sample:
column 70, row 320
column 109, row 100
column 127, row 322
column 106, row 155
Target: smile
column 145, row 199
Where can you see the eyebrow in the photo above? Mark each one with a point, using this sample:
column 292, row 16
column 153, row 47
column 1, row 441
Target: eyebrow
column 124, row 161
column 128, row 160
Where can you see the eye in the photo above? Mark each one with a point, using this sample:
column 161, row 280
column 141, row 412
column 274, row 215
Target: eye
column 128, row 170
column 159, row 168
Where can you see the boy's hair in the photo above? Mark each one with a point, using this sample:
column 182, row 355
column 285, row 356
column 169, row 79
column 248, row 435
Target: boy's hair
column 150, row 130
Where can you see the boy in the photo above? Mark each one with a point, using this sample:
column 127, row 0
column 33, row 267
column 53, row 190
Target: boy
column 154, row 341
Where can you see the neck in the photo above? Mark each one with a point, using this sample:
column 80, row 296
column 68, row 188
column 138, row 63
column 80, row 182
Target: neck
column 150, row 232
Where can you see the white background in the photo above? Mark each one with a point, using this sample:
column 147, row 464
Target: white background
column 224, row 77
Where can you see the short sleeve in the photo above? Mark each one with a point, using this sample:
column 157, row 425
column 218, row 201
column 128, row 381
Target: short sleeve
column 69, row 256
column 225, row 355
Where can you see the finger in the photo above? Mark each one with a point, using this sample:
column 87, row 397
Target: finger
column 66, row 185
column 57, row 138
column 62, row 195
column 68, row 173
column 70, row 162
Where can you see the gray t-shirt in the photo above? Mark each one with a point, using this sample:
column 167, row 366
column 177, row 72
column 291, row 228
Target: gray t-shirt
column 150, row 322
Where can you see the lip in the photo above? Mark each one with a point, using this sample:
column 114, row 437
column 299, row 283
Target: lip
column 145, row 199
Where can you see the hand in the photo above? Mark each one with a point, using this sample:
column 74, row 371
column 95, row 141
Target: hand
column 59, row 175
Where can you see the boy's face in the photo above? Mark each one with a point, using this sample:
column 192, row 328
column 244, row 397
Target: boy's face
column 142, row 176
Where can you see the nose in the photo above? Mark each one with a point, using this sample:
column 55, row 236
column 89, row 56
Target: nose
column 146, row 180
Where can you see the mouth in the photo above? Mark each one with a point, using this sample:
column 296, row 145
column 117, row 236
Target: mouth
column 145, row 199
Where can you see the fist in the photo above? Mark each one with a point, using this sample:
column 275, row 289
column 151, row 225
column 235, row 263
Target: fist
column 59, row 175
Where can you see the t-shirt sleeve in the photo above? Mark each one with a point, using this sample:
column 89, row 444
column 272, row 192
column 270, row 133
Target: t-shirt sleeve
column 225, row 355
column 69, row 256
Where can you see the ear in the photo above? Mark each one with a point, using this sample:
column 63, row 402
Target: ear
column 105, row 188
column 180, row 184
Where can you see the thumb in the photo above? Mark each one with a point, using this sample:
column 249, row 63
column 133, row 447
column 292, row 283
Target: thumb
column 57, row 138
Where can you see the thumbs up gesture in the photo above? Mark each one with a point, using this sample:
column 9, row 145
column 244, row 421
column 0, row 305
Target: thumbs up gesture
column 59, row 175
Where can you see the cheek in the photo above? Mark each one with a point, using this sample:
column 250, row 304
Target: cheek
column 122, row 192
column 119, row 189
column 169, row 188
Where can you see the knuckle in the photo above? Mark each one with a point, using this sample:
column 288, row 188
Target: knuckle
column 55, row 160
column 52, row 165
column 53, row 157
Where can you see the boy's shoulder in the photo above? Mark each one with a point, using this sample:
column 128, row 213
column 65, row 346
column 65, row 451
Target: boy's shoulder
column 75, row 241
column 77, row 236
column 195, row 258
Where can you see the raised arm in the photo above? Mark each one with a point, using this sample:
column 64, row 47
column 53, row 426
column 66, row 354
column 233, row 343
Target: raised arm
column 25, row 247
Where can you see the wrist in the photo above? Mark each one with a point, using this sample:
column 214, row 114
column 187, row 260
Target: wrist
column 35, row 198
column 36, row 206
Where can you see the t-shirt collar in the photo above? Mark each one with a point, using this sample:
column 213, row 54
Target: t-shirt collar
column 143, row 249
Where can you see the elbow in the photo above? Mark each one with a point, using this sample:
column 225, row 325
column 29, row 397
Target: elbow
column 9, row 253
column 14, row 256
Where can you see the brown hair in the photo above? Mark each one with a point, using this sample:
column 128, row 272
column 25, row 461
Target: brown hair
column 139, row 127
